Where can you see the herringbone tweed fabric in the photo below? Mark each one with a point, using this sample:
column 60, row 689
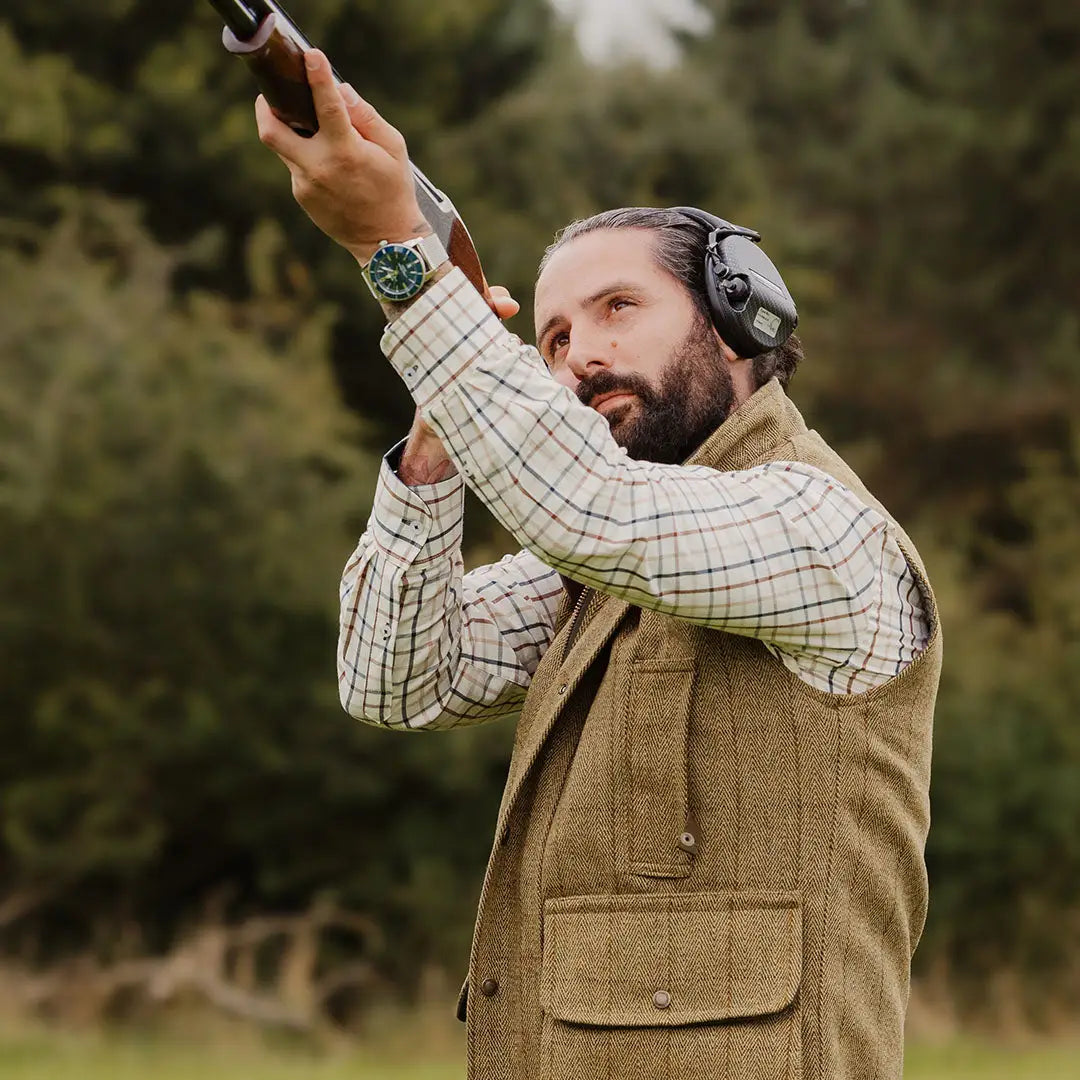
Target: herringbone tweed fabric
column 778, row 943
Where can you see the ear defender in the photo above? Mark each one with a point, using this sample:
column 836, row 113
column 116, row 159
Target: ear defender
column 751, row 307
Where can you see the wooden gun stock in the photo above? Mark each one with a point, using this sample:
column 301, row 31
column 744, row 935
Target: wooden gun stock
column 272, row 46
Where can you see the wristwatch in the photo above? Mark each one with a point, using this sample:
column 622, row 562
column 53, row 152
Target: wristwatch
column 397, row 272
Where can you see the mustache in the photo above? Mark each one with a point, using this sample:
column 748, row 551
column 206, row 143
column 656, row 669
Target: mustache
column 606, row 382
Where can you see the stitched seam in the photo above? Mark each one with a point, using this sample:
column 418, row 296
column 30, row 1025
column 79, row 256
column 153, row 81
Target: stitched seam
column 822, row 981
column 857, row 859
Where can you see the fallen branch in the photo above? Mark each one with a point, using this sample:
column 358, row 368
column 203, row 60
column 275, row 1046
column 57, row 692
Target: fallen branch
column 215, row 962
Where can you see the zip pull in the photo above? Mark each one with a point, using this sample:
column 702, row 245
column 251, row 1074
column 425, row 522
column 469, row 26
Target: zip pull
column 688, row 838
column 575, row 619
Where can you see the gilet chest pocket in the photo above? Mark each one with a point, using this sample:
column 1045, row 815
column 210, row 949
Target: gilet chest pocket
column 656, row 724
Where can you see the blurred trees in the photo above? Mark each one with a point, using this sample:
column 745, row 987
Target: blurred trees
column 180, row 480
column 180, row 485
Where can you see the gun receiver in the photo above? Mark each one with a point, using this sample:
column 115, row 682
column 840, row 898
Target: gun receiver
column 272, row 46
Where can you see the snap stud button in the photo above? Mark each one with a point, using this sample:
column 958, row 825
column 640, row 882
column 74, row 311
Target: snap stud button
column 562, row 689
column 688, row 842
column 661, row 999
column 489, row 988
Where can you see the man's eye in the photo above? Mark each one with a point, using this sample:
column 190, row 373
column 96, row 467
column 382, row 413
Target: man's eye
column 619, row 303
column 558, row 341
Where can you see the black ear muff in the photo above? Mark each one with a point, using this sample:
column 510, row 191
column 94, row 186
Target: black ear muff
column 751, row 307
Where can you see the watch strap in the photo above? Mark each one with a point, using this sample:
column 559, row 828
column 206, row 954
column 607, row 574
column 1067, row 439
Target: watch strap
column 431, row 247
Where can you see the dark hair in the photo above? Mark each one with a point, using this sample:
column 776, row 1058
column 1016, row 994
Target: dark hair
column 679, row 248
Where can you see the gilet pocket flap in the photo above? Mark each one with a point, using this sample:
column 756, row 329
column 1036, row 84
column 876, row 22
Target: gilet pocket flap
column 671, row 959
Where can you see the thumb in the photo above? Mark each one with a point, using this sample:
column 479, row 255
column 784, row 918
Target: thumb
column 502, row 303
column 368, row 123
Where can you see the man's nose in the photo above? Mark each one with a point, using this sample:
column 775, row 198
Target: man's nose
column 584, row 357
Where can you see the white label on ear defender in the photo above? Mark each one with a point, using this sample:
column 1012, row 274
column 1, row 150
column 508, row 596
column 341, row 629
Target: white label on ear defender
column 767, row 322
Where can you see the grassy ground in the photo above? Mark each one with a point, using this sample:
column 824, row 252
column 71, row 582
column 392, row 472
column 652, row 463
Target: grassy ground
column 43, row 1056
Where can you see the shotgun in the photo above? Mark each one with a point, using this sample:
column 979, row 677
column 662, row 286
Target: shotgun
column 263, row 35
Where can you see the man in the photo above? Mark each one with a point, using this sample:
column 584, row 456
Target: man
column 708, row 861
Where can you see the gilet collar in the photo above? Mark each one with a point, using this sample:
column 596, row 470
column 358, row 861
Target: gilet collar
column 753, row 433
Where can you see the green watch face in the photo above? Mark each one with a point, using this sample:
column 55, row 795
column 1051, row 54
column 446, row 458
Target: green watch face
column 397, row 272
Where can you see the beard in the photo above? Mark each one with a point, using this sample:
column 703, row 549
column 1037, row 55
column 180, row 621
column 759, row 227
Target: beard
column 668, row 422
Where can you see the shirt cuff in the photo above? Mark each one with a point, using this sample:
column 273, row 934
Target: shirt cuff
column 440, row 335
column 416, row 525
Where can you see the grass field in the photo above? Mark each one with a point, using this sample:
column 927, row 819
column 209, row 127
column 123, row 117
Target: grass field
column 42, row 1056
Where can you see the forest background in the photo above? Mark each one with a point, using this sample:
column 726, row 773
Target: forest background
column 193, row 408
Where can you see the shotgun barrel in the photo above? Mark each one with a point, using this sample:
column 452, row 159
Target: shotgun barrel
column 239, row 17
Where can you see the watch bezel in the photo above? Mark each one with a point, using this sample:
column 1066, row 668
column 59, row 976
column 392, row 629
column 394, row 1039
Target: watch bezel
column 414, row 286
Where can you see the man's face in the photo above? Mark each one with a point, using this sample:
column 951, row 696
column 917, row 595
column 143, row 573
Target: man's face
column 625, row 336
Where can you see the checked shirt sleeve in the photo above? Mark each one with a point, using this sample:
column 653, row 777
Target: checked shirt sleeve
column 782, row 552
column 421, row 644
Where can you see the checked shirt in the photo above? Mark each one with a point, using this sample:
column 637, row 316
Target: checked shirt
column 782, row 552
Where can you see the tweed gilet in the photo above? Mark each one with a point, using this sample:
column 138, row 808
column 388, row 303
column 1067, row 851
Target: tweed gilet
column 704, row 868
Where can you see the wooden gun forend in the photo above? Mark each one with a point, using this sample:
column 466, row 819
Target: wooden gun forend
column 272, row 46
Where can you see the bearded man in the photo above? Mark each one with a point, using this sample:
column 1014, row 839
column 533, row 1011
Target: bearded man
column 722, row 651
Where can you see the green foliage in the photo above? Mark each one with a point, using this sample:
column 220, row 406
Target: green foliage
column 180, row 483
column 1005, row 851
column 179, row 488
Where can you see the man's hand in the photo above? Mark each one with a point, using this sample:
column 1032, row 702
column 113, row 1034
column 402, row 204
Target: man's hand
column 353, row 176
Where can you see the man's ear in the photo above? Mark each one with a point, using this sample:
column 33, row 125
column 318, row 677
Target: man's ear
column 726, row 350
column 740, row 369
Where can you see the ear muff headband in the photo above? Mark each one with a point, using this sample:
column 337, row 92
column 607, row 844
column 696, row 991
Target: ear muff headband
column 751, row 307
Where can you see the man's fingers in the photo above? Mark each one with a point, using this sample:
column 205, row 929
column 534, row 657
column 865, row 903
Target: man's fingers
column 502, row 303
column 330, row 109
column 275, row 133
column 367, row 121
